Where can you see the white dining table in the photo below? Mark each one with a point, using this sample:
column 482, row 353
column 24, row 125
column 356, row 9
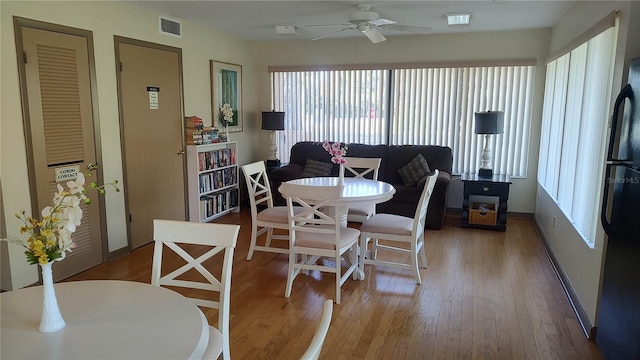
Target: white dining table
column 105, row 319
column 355, row 191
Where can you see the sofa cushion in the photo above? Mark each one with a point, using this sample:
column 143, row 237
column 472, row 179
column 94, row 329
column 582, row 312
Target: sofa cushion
column 304, row 150
column 313, row 168
column 438, row 157
column 286, row 173
column 414, row 171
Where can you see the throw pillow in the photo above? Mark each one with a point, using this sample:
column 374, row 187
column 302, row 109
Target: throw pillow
column 415, row 170
column 314, row 168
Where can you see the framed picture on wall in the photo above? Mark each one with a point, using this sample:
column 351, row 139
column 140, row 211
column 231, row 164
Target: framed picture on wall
column 226, row 88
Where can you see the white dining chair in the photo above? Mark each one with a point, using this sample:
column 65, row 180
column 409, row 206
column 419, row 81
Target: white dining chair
column 264, row 219
column 313, row 351
column 398, row 229
column 362, row 168
column 218, row 239
column 316, row 232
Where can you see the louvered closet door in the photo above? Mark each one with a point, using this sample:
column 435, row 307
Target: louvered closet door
column 61, row 125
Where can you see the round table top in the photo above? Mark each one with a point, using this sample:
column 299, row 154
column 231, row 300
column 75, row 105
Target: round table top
column 355, row 190
column 104, row 319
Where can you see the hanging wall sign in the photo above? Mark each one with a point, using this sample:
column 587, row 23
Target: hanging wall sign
column 67, row 173
column 153, row 97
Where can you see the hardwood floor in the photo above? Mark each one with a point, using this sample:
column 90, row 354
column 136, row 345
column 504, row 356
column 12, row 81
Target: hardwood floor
column 485, row 295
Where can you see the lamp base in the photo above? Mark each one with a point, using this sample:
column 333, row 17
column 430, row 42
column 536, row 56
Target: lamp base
column 273, row 163
column 485, row 173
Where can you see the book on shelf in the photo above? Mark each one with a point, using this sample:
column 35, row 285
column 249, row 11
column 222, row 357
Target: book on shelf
column 193, row 137
column 193, row 130
column 213, row 204
column 193, row 122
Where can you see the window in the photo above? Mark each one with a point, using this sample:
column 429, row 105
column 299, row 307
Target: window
column 574, row 129
column 422, row 105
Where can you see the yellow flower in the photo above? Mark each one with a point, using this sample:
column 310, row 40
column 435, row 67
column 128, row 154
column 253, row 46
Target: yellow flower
column 43, row 259
column 50, row 236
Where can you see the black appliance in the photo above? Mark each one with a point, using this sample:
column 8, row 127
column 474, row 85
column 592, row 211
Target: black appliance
column 618, row 332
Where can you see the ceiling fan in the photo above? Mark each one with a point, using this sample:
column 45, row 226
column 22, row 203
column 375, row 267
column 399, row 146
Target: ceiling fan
column 369, row 22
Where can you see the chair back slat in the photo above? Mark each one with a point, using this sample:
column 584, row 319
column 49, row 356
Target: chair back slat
column 175, row 231
column 206, row 303
column 362, row 167
column 190, row 284
column 314, row 201
column 421, row 211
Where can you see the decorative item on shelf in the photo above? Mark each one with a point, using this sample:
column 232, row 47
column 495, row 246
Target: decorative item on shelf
column 193, row 130
column 273, row 120
column 337, row 153
column 50, row 238
column 226, row 118
column 209, row 135
column 488, row 123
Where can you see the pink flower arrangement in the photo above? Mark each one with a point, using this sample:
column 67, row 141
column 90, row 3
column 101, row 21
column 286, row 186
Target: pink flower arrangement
column 336, row 151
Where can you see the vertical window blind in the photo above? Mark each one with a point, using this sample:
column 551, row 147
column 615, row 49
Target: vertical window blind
column 574, row 124
column 436, row 106
column 423, row 106
column 349, row 106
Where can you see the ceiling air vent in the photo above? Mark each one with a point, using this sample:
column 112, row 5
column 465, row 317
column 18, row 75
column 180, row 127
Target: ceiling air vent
column 170, row 27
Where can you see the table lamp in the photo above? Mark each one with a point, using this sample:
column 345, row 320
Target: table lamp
column 273, row 120
column 487, row 124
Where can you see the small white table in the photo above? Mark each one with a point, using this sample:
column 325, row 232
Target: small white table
column 355, row 191
column 105, row 319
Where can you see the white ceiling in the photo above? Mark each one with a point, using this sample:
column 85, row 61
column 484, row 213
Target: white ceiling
column 256, row 20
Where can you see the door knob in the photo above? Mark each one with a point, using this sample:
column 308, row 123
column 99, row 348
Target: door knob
column 181, row 152
column 92, row 166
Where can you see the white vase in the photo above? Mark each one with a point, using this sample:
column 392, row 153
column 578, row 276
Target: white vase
column 341, row 175
column 51, row 318
column 226, row 132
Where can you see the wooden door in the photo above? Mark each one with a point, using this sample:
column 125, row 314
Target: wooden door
column 60, row 131
column 150, row 85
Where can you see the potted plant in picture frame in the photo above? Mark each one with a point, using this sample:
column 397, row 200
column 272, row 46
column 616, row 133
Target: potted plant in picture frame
column 226, row 96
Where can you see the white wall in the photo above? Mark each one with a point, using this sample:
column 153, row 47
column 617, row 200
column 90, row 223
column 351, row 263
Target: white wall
column 581, row 264
column 106, row 19
column 529, row 44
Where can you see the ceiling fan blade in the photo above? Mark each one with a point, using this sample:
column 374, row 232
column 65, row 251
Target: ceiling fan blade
column 410, row 29
column 381, row 22
column 323, row 25
column 329, row 34
column 374, row 35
